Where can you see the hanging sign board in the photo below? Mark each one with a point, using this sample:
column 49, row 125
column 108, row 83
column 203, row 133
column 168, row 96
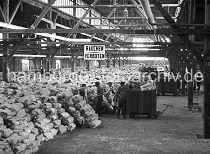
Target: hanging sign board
column 94, row 52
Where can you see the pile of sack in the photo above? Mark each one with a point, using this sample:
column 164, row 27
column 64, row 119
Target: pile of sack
column 33, row 113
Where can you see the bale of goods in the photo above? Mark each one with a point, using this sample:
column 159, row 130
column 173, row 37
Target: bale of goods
column 33, row 113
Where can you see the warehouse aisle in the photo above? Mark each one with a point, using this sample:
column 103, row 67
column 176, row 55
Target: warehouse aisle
column 174, row 132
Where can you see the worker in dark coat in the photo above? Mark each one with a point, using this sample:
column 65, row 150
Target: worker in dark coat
column 121, row 94
column 83, row 91
column 99, row 97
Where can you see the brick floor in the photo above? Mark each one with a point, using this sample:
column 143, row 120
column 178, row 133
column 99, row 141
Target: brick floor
column 174, row 132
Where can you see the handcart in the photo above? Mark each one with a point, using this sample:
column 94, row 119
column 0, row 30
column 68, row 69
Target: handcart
column 143, row 103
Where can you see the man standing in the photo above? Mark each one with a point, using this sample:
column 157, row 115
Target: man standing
column 109, row 95
column 99, row 98
column 121, row 98
column 83, row 91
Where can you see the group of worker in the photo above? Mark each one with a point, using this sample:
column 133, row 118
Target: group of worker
column 117, row 99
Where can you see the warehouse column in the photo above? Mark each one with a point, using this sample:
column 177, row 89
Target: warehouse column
column 127, row 61
column 206, row 114
column 5, row 67
column 73, row 64
column 87, row 65
column 99, row 63
column 183, row 79
column 48, row 63
column 107, row 62
column 79, row 62
column 119, row 62
column 35, row 64
column 130, row 61
column 123, row 61
column 108, row 58
column 190, row 86
column 114, row 61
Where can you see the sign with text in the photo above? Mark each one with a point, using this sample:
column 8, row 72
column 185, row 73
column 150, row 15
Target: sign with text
column 94, row 52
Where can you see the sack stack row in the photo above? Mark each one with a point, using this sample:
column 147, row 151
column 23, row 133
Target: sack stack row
column 34, row 113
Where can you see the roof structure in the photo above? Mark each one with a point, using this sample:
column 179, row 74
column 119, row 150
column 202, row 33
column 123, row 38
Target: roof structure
column 117, row 23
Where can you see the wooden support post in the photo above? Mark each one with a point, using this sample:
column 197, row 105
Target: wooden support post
column 108, row 63
column 130, row 61
column 13, row 64
column 127, row 61
column 123, row 61
column 6, row 59
column 48, row 63
column 183, row 80
column 73, row 64
column 119, row 62
column 5, row 68
column 87, row 65
column 99, row 64
column 190, row 87
column 79, row 62
column 114, row 62
column 35, row 63
column 206, row 113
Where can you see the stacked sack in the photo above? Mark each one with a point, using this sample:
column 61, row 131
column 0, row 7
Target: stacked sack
column 88, row 116
column 34, row 113
column 4, row 145
column 17, row 128
column 79, row 109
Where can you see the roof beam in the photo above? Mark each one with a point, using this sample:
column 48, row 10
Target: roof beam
column 114, row 28
column 111, row 6
column 44, row 12
column 167, row 31
column 81, row 19
column 115, row 18
column 104, row 21
column 65, row 27
column 2, row 15
column 139, row 54
column 184, row 37
column 15, row 11
column 47, row 35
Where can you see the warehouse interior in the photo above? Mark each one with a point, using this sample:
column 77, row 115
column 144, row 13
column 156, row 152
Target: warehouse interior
column 48, row 36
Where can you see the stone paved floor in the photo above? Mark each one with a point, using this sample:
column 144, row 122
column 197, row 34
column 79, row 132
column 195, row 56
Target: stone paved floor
column 174, row 132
